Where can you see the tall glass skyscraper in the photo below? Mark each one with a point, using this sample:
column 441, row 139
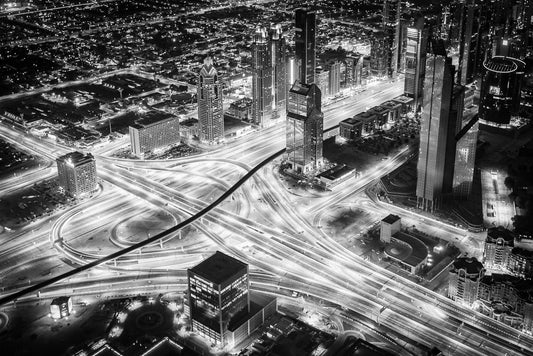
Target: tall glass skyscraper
column 415, row 61
column 465, row 157
column 305, row 45
column 435, row 128
column 391, row 27
column 261, row 78
column 210, row 109
column 304, row 129
column 279, row 71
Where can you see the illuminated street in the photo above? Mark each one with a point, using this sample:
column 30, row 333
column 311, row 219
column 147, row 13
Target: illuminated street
column 159, row 204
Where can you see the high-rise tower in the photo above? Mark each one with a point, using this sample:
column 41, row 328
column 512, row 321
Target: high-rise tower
column 210, row 109
column 415, row 61
column 261, row 78
column 305, row 45
column 305, row 126
column 392, row 27
column 435, row 129
column 279, row 71
column 218, row 291
column 77, row 173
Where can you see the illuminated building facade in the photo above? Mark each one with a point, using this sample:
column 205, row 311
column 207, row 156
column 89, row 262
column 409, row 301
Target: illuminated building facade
column 218, row 291
column 498, row 246
column 334, row 79
column 147, row 137
column 464, row 277
column 508, row 299
column 261, row 78
column 353, row 72
column 279, row 71
column 500, row 90
column 304, row 129
column 379, row 54
column 436, row 125
column 391, row 27
column 77, row 173
column 415, row 61
column 305, row 45
column 210, row 104
column 465, row 157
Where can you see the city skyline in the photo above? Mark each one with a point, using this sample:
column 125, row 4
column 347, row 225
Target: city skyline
column 266, row 177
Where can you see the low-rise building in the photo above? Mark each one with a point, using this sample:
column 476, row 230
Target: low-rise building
column 350, row 128
column 61, row 307
column 336, row 175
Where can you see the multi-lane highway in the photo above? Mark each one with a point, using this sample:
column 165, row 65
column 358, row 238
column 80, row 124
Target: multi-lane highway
column 265, row 229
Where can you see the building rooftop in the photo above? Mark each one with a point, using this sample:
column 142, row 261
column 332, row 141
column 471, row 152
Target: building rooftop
column 219, row 268
column 337, row 172
column 301, row 88
column 418, row 250
column 76, row 158
column 351, row 121
column 365, row 116
column 380, row 109
column 391, row 219
column 153, row 118
column 494, row 233
column 500, row 65
column 403, row 99
column 470, row 264
column 60, row 300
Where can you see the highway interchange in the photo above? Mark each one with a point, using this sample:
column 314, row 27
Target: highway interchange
column 259, row 223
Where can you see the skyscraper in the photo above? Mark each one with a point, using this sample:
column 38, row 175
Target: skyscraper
column 305, row 45
column 391, row 26
column 379, row 55
column 218, row 290
column 435, row 129
column 334, row 78
column 77, row 173
column 279, row 71
column 465, row 157
column 305, row 125
column 500, row 92
column 415, row 61
column 210, row 109
column 469, row 41
column 261, row 78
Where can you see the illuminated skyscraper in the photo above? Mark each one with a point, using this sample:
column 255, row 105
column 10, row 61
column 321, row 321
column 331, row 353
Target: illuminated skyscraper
column 210, row 104
column 415, row 61
column 391, row 26
column 261, row 78
column 305, row 125
column 77, row 173
column 501, row 89
column 279, row 71
column 305, row 45
column 379, row 55
column 435, row 129
column 334, row 79
column 465, row 158
column 470, row 41
column 218, row 291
